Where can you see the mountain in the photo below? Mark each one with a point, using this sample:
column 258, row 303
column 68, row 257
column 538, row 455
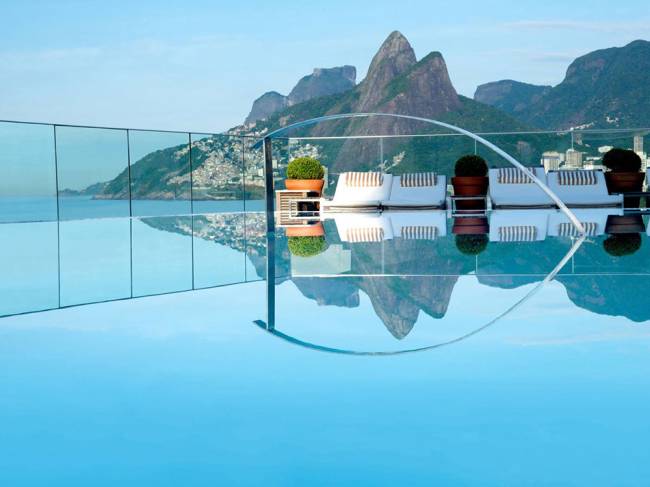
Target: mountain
column 510, row 96
column 396, row 82
column 322, row 82
column 607, row 88
column 266, row 105
column 165, row 174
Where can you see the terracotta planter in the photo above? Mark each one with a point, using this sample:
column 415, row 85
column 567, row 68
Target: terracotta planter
column 470, row 226
column 315, row 230
column 305, row 184
column 624, row 224
column 625, row 182
column 470, row 186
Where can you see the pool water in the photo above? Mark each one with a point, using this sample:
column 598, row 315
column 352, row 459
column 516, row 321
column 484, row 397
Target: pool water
column 534, row 368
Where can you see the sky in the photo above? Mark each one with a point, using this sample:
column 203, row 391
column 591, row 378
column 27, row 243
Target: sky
column 197, row 66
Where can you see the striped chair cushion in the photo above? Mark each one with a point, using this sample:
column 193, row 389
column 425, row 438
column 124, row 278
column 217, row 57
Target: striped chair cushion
column 518, row 233
column 419, row 232
column 576, row 178
column 513, row 175
column 418, row 179
column 371, row 234
column 364, row 179
column 569, row 229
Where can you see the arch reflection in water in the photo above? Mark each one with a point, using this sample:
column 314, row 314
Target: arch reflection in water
column 398, row 295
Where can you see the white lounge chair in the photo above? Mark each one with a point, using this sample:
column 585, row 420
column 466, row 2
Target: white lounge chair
column 359, row 191
column 582, row 188
column 418, row 225
column 510, row 187
column 518, row 225
column 593, row 219
column 363, row 227
column 417, row 191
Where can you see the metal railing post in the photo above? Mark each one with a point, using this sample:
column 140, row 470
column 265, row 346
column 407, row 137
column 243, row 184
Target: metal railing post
column 270, row 235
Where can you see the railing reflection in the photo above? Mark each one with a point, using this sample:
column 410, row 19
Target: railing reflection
column 48, row 265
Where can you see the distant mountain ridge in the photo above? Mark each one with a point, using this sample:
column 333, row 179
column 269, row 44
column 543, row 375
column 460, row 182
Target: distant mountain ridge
column 607, row 88
column 510, row 96
column 322, row 82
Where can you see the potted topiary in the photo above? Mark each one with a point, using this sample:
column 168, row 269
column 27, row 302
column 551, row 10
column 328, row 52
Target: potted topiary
column 620, row 245
column 307, row 246
column 623, row 175
column 471, row 244
column 470, row 180
column 305, row 174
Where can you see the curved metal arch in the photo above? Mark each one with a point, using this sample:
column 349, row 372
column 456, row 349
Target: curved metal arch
column 477, row 138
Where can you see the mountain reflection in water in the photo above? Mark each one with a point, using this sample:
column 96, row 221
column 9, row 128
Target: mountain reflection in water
column 402, row 279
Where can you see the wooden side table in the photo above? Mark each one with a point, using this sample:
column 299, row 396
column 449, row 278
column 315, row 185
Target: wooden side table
column 296, row 207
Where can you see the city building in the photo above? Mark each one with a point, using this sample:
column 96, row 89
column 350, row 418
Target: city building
column 551, row 160
column 638, row 148
column 573, row 159
column 638, row 144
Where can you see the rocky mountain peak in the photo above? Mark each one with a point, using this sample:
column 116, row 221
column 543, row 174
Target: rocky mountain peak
column 394, row 58
column 428, row 89
column 266, row 105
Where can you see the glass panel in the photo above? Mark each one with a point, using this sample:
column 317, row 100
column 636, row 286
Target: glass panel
column 162, row 255
column 27, row 173
column 531, row 149
column 281, row 157
column 217, row 173
column 29, row 263
column 160, row 173
column 95, row 260
column 254, row 176
column 255, row 245
column 93, row 172
column 219, row 249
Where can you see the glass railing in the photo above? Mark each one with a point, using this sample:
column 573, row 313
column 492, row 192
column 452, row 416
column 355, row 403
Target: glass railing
column 90, row 214
column 396, row 154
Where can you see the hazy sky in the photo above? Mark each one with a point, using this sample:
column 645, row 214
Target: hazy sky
column 199, row 65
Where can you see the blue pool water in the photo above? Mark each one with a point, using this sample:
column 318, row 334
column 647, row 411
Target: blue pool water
column 533, row 383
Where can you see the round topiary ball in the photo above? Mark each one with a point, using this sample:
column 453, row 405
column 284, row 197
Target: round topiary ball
column 471, row 166
column 622, row 244
column 305, row 168
column 622, row 160
column 307, row 246
column 471, row 244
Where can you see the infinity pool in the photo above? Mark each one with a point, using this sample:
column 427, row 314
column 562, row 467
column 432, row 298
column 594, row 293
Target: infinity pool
column 532, row 369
